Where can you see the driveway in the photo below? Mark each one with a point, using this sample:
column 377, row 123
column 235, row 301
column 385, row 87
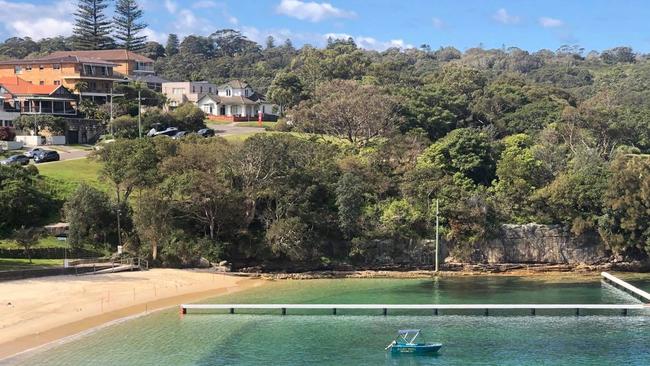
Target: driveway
column 68, row 152
column 232, row 129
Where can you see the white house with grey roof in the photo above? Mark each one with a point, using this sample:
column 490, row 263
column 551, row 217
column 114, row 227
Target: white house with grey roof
column 237, row 101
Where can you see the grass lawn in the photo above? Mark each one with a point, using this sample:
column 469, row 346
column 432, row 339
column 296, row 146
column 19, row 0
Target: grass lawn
column 9, row 264
column 239, row 137
column 44, row 242
column 255, row 124
column 71, row 173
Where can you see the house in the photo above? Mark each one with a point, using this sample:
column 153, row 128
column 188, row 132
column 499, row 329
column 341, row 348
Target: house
column 22, row 97
column 67, row 71
column 237, row 101
column 130, row 64
column 178, row 93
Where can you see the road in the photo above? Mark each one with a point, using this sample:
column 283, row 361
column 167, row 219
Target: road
column 233, row 129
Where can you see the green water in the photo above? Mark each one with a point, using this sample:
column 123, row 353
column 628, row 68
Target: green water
column 314, row 338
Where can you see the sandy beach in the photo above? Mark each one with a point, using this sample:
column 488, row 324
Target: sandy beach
column 39, row 311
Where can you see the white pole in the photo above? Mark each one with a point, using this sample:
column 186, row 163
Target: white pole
column 139, row 113
column 111, row 118
column 437, row 225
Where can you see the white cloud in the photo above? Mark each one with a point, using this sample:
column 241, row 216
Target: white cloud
column 502, row 16
column 205, row 4
column 438, row 23
column 37, row 21
column 550, row 22
column 370, row 43
column 311, row 11
column 171, row 6
column 152, row 35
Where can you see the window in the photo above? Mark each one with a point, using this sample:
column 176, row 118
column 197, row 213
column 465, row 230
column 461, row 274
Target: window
column 56, row 66
column 93, row 85
column 177, row 91
column 28, row 67
column 18, row 70
column 228, row 92
column 201, row 90
column 41, row 67
column 57, row 82
column 193, row 89
column 42, row 82
column 247, row 91
column 210, row 89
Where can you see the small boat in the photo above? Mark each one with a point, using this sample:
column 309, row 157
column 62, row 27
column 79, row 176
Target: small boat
column 405, row 342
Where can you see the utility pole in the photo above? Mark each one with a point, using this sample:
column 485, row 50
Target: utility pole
column 139, row 112
column 437, row 232
column 111, row 107
column 119, row 229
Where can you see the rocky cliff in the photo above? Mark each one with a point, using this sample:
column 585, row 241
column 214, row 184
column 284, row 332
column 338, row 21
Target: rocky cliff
column 534, row 243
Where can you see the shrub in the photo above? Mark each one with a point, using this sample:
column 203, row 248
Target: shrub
column 7, row 134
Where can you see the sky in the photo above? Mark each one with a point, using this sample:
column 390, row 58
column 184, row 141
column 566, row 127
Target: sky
column 374, row 24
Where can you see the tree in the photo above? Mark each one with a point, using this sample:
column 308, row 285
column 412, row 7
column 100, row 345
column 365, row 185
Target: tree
column 270, row 42
column 519, row 174
column 128, row 25
column 624, row 225
column 92, row 27
column 153, row 50
column 346, row 109
column 189, row 117
column 38, row 123
column 27, row 238
column 465, row 151
column 91, row 217
column 349, row 202
column 286, row 90
column 172, row 46
column 24, row 198
column 290, row 238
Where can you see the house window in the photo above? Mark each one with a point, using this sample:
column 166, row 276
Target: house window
column 28, row 67
column 42, row 82
column 57, row 82
column 18, row 70
column 41, row 67
column 56, row 66
column 193, row 89
column 228, row 92
column 210, row 89
column 247, row 92
column 177, row 91
column 93, row 85
column 201, row 90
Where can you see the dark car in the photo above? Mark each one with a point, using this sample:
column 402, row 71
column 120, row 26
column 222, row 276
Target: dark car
column 15, row 160
column 206, row 132
column 46, row 155
column 169, row 131
column 33, row 152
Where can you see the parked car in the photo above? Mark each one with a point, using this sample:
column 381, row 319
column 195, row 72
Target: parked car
column 206, row 132
column 169, row 131
column 15, row 160
column 47, row 155
column 180, row 134
column 31, row 153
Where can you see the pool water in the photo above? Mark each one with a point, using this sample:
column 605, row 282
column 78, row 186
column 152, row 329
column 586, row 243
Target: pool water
column 359, row 338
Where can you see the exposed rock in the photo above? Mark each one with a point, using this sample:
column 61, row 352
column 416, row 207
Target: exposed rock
column 203, row 263
column 534, row 243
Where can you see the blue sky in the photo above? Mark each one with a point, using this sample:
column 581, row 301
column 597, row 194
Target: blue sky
column 374, row 24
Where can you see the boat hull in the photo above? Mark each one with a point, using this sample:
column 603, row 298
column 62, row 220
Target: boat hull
column 415, row 349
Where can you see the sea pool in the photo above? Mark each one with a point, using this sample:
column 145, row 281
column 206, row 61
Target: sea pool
column 359, row 338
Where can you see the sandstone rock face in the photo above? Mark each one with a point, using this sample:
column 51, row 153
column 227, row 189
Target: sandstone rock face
column 534, row 243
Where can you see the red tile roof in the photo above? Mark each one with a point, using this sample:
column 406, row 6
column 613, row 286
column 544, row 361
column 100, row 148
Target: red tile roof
column 18, row 86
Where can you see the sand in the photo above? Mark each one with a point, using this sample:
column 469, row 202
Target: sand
column 39, row 311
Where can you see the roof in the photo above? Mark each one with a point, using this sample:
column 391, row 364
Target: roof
column 237, row 84
column 108, row 55
column 17, row 86
column 148, row 78
column 236, row 100
column 58, row 60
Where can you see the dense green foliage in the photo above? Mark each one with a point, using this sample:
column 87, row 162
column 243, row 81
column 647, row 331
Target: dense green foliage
column 497, row 136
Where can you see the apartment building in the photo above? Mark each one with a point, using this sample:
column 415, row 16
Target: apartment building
column 131, row 65
column 98, row 76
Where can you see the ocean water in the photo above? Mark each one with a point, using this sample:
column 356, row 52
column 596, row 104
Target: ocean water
column 359, row 337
